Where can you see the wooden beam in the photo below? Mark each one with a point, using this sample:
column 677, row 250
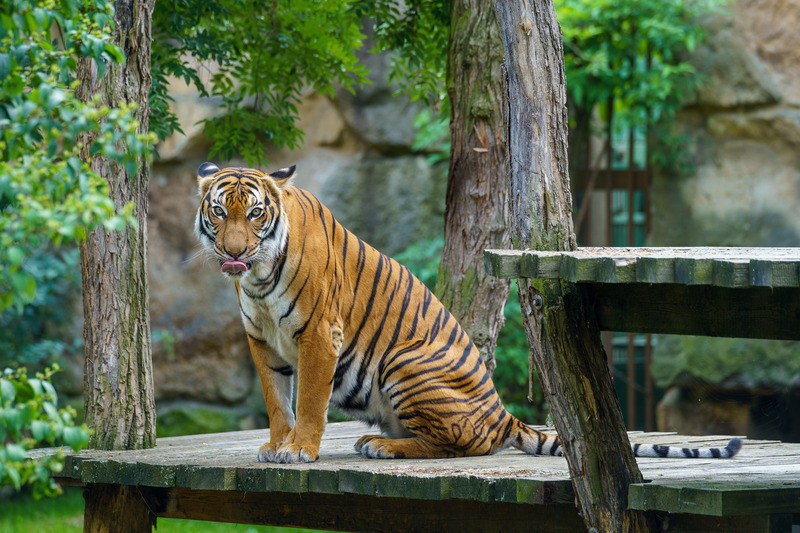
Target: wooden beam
column 722, row 267
column 118, row 509
column 363, row 513
column 717, row 499
column 756, row 312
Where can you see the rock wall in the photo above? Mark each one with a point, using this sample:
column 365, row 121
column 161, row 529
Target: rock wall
column 744, row 132
column 357, row 157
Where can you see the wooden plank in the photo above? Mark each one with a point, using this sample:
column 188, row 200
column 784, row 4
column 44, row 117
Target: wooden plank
column 716, row 498
column 353, row 512
column 755, row 312
column 689, row 523
column 116, row 508
column 723, row 267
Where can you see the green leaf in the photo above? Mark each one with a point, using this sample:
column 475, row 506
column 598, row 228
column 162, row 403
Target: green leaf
column 77, row 438
column 7, row 392
column 13, row 474
column 15, row 452
column 41, row 431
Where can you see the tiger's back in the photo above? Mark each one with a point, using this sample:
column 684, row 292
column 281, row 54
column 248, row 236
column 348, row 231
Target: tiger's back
column 355, row 326
column 405, row 364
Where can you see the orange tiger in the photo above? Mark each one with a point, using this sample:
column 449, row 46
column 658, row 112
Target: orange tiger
column 357, row 328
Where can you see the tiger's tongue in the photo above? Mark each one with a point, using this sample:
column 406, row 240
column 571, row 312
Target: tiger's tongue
column 234, row 267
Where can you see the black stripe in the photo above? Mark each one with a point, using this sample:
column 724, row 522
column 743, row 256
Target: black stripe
column 293, row 302
column 283, row 370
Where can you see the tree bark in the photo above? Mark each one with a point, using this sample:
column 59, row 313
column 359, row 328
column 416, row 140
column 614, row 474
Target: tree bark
column 476, row 217
column 562, row 332
column 118, row 374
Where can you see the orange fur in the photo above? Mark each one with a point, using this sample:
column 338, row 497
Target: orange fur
column 356, row 327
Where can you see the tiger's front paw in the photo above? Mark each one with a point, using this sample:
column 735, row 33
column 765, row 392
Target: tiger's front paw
column 378, row 447
column 267, row 451
column 296, row 453
column 364, row 440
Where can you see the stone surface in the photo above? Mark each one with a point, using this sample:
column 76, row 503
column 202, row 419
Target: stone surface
column 734, row 75
column 771, row 31
column 380, row 118
column 389, row 203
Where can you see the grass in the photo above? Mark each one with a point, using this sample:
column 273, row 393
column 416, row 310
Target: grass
column 22, row 514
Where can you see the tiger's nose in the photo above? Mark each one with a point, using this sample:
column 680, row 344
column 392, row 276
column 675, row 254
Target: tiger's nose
column 234, row 253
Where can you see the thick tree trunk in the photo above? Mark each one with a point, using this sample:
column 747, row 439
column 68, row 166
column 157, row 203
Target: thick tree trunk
column 477, row 211
column 118, row 378
column 562, row 332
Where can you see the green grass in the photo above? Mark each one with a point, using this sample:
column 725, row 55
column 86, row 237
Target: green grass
column 22, row 514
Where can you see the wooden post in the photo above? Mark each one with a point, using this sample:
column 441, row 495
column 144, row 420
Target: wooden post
column 477, row 208
column 117, row 509
column 118, row 371
column 563, row 334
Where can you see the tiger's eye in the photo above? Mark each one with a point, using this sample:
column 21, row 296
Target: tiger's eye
column 257, row 212
column 218, row 211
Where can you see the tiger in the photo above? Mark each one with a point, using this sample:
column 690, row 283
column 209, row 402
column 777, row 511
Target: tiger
column 358, row 329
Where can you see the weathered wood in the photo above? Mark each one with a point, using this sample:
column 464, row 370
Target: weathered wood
column 755, row 312
column 723, row 267
column 717, row 499
column 753, row 488
column 118, row 369
column 117, row 509
column 476, row 215
column 561, row 329
column 689, row 523
column 361, row 513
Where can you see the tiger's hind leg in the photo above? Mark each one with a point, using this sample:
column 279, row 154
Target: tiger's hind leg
column 380, row 447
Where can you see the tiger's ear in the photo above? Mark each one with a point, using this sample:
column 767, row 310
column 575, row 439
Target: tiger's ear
column 205, row 175
column 283, row 177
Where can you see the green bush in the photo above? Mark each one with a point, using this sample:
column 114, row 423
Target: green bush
column 30, row 418
column 39, row 335
column 49, row 194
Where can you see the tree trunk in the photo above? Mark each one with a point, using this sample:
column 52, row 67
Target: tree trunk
column 118, row 377
column 477, row 210
column 562, row 332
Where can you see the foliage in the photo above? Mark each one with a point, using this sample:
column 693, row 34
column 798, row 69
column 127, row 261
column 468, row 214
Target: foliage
column 257, row 59
column 48, row 193
column 433, row 134
column 30, row 418
column 39, row 335
column 748, row 363
column 606, row 49
column 417, row 32
column 636, row 53
column 511, row 374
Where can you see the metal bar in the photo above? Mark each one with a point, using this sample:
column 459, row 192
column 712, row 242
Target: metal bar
column 631, row 381
column 648, row 384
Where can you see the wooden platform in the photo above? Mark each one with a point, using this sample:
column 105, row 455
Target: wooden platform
column 724, row 292
column 216, row 477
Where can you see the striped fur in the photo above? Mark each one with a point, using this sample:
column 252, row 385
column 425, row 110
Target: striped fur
column 356, row 328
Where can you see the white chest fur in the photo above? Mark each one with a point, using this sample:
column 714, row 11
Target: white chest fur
column 266, row 318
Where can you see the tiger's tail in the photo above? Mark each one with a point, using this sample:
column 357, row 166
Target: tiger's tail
column 535, row 442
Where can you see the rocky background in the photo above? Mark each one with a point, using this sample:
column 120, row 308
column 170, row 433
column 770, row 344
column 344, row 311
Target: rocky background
column 744, row 131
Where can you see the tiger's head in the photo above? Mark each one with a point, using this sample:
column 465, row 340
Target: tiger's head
column 241, row 219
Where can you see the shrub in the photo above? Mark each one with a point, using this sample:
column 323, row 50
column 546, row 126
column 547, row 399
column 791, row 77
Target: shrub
column 30, row 418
